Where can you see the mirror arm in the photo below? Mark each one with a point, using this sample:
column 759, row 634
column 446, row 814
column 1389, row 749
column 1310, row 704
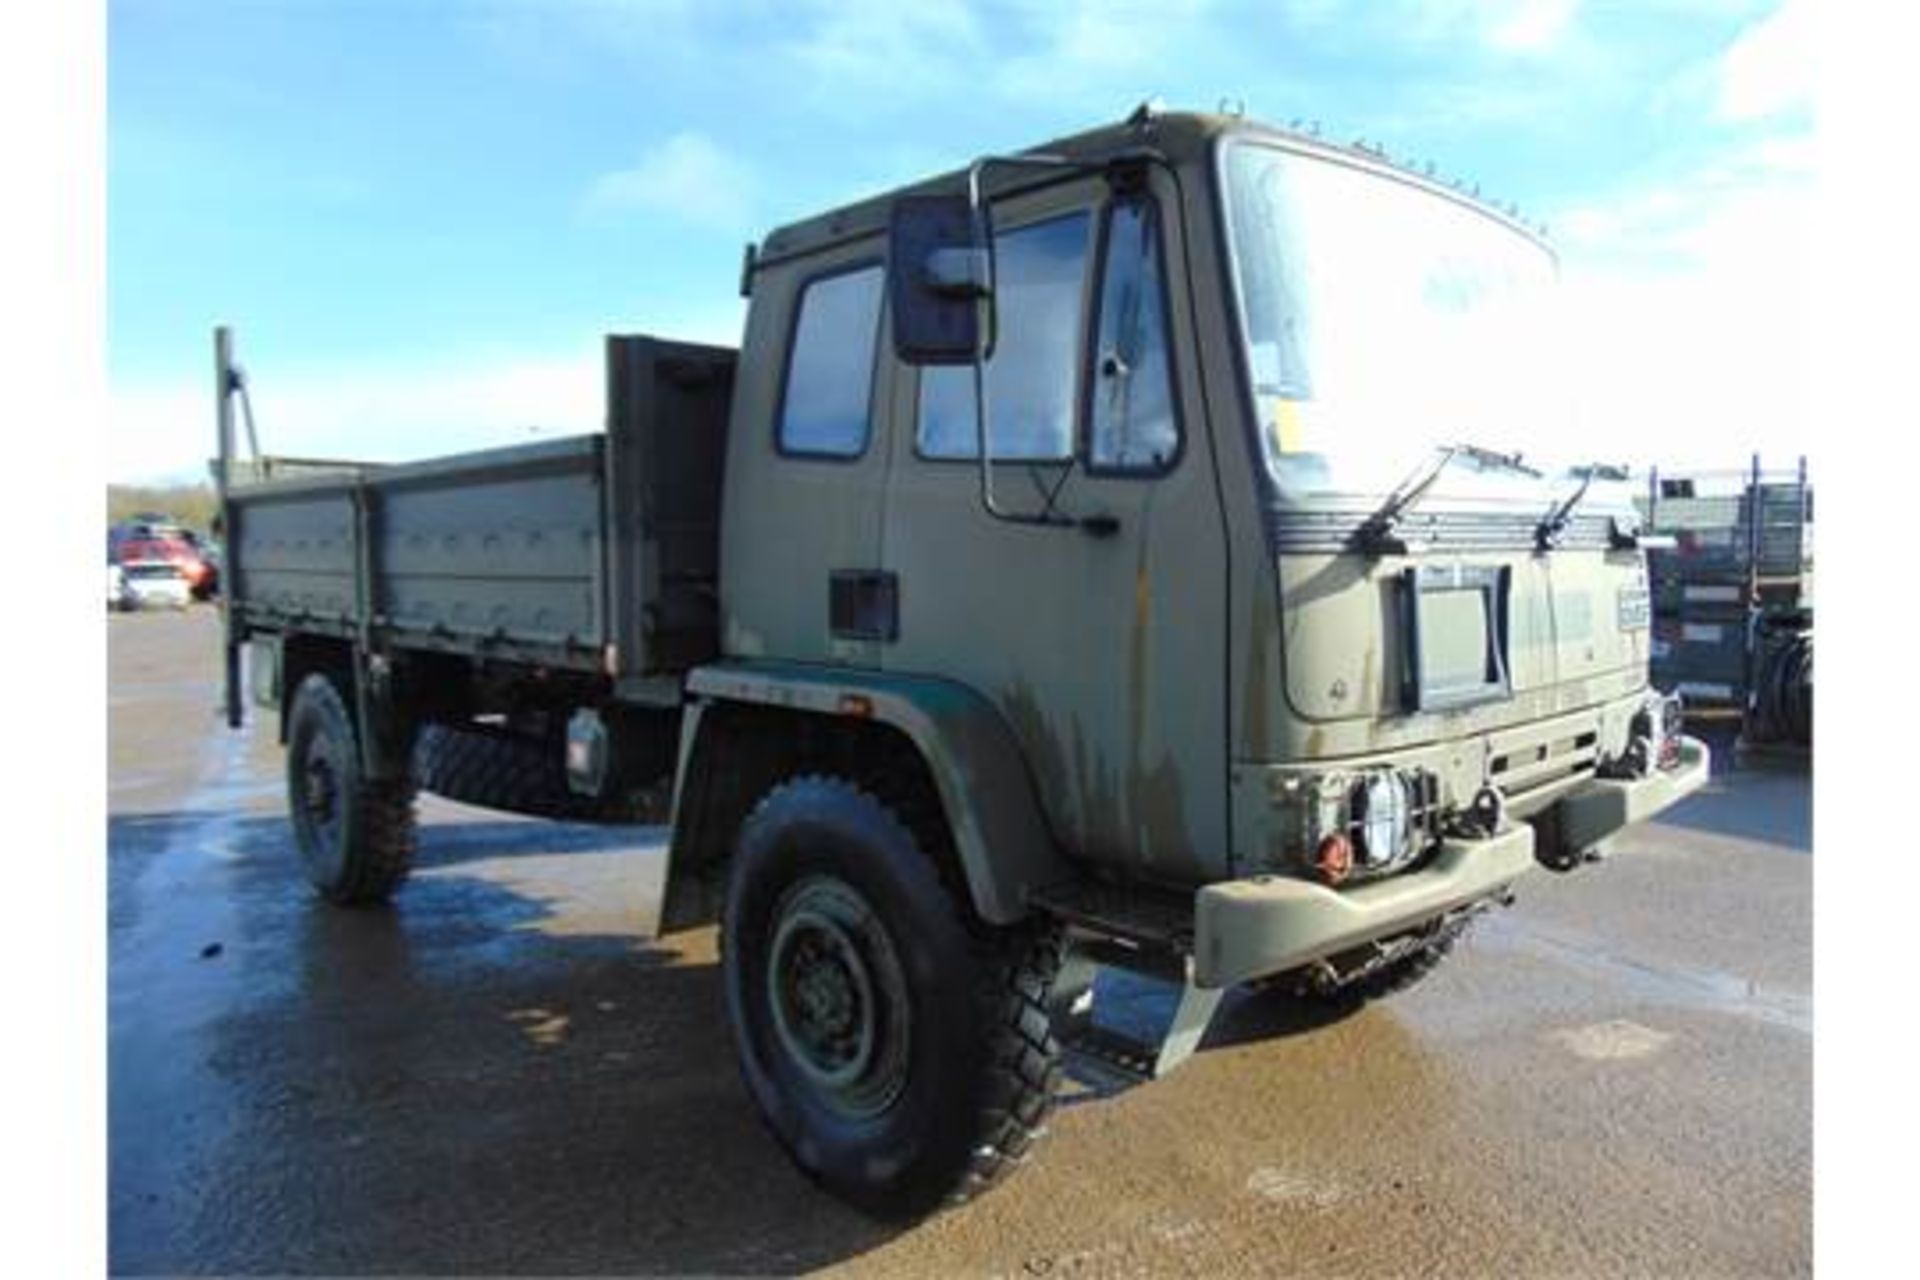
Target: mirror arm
column 983, row 337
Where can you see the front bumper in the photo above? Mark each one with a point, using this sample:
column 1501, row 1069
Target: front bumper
column 1606, row 805
column 1246, row 929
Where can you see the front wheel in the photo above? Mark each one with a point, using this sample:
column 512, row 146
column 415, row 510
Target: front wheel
column 898, row 1049
column 355, row 836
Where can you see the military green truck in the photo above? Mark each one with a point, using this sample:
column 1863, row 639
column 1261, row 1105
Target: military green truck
column 1111, row 554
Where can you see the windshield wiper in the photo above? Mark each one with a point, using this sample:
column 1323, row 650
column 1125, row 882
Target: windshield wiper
column 1546, row 534
column 1377, row 536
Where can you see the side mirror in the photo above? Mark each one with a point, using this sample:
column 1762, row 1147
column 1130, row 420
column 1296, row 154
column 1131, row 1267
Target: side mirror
column 939, row 281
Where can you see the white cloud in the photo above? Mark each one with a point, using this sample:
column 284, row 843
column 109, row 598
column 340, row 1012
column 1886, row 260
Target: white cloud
column 1766, row 71
column 688, row 177
column 1105, row 57
column 1312, row 14
column 548, row 39
column 885, row 43
column 1531, row 26
column 1076, row 57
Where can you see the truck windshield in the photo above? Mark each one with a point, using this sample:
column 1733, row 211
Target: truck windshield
column 1381, row 321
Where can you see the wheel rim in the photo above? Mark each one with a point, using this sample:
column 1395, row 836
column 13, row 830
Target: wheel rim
column 839, row 998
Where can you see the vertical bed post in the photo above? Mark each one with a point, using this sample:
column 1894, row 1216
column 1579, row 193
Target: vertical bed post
column 223, row 482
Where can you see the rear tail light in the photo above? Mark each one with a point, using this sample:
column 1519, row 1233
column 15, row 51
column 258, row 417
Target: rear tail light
column 1672, row 718
column 1653, row 739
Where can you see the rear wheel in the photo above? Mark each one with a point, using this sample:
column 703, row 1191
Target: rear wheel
column 898, row 1048
column 355, row 836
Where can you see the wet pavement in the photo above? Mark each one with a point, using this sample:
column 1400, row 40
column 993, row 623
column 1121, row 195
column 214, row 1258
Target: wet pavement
column 497, row 1075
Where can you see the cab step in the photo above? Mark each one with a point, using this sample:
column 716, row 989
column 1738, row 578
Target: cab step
column 1129, row 1014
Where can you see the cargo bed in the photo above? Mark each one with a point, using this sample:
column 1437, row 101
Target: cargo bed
column 595, row 553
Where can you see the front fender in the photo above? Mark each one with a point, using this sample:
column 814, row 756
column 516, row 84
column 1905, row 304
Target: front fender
column 999, row 830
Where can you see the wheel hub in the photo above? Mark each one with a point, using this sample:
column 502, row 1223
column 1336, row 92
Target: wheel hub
column 838, row 997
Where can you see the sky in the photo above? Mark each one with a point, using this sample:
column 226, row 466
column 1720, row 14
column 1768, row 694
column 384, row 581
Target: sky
column 421, row 215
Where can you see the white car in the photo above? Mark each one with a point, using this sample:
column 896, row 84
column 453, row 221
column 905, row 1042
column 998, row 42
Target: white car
column 152, row 584
column 117, row 598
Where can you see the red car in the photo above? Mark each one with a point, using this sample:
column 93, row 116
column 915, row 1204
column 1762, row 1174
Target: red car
column 160, row 542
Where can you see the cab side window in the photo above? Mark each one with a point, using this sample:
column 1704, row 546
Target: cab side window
column 1133, row 427
column 828, row 401
column 1039, row 278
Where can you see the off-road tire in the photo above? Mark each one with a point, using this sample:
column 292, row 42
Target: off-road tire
column 977, row 1075
column 516, row 772
column 355, row 837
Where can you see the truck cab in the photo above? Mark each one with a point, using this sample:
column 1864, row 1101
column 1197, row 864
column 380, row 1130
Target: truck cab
column 1228, row 638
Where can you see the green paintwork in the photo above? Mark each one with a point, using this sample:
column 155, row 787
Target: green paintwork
column 984, row 786
column 1148, row 678
column 1268, row 924
column 1140, row 699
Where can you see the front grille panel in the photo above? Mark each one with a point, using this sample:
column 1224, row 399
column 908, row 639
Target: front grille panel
column 1521, row 769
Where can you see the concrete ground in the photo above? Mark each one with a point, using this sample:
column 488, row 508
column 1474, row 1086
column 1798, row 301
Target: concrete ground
column 497, row 1075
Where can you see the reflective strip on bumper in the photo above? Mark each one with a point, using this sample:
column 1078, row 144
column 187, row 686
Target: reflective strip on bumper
column 1246, row 929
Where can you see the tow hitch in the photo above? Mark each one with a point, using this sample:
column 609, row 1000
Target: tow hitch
column 1350, row 969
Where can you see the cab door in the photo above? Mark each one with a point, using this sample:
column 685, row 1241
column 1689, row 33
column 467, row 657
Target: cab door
column 1099, row 635
column 806, row 471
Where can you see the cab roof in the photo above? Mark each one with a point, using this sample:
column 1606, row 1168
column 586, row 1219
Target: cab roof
column 1177, row 137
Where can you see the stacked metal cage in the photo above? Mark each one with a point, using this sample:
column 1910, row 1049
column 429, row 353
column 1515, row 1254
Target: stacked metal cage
column 1733, row 597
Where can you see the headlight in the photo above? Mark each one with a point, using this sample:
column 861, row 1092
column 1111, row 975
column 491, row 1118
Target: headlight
column 1356, row 824
column 1383, row 818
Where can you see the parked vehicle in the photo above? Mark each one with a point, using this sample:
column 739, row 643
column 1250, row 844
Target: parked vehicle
column 159, row 539
column 117, row 596
column 156, row 584
column 1064, row 566
column 211, row 557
